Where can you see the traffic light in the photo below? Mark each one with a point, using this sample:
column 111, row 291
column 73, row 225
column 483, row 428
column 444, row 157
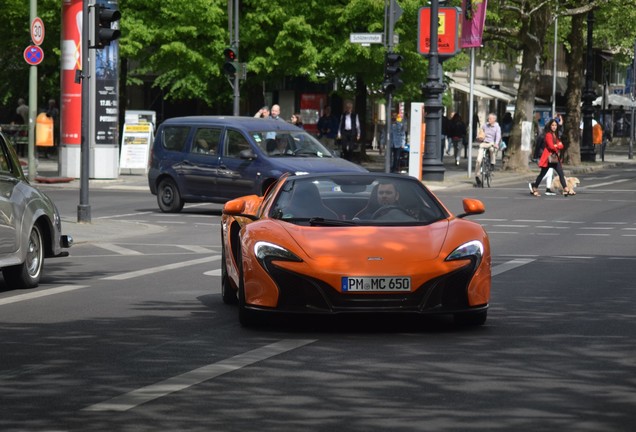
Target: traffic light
column 104, row 33
column 392, row 72
column 230, row 66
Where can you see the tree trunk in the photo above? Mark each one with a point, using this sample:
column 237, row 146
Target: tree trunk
column 533, row 32
column 575, row 58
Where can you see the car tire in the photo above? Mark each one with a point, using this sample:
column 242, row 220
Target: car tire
column 27, row 274
column 227, row 293
column 169, row 197
column 247, row 317
column 471, row 318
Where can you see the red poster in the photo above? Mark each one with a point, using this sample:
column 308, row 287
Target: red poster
column 71, row 94
column 447, row 31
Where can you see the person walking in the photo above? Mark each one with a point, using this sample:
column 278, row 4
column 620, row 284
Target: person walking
column 348, row 130
column 550, row 159
column 22, row 111
column 327, row 129
column 506, row 130
column 457, row 130
column 398, row 140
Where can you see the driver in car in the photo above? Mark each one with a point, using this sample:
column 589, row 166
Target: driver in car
column 384, row 194
column 387, row 194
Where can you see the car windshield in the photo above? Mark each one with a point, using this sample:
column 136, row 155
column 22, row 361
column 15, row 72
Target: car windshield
column 290, row 144
column 340, row 200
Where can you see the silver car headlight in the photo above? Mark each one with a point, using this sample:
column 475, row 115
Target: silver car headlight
column 472, row 250
column 267, row 252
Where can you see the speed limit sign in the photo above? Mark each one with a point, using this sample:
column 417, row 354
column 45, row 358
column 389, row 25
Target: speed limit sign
column 37, row 31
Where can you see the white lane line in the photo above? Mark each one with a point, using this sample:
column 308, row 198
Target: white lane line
column 216, row 272
column 117, row 249
column 124, row 215
column 501, row 268
column 510, row 226
column 592, row 235
column 606, row 183
column 134, row 274
column 43, row 293
column 177, row 383
column 597, row 228
column 195, row 249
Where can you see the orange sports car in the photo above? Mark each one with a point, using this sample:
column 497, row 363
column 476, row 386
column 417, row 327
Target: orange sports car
column 355, row 242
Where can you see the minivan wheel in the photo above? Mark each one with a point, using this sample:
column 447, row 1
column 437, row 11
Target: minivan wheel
column 168, row 197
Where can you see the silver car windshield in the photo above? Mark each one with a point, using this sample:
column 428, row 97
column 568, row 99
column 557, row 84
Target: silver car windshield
column 290, row 144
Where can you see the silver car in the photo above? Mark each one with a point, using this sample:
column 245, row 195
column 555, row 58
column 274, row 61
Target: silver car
column 30, row 225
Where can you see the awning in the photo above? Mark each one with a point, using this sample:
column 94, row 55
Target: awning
column 464, row 88
column 482, row 91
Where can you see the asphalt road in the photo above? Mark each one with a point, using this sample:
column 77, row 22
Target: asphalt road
column 129, row 333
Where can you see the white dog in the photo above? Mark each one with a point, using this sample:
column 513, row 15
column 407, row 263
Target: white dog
column 571, row 183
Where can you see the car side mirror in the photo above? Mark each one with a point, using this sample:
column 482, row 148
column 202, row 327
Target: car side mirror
column 234, row 207
column 472, row 207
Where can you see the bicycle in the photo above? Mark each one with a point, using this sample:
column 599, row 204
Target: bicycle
column 486, row 168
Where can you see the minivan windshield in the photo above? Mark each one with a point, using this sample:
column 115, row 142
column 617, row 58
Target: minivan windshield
column 290, row 144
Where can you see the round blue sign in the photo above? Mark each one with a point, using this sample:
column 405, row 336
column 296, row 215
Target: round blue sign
column 33, row 55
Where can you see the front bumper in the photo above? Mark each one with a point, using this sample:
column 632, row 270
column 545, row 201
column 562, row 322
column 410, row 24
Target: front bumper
column 445, row 294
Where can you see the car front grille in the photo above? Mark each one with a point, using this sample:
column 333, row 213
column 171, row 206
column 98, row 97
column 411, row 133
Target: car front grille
column 302, row 293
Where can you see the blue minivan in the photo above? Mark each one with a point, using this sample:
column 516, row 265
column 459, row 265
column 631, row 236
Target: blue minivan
column 216, row 159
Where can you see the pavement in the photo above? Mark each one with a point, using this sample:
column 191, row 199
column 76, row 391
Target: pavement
column 105, row 229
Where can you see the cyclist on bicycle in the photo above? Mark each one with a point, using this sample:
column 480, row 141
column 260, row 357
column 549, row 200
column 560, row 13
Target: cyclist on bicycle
column 491, row 139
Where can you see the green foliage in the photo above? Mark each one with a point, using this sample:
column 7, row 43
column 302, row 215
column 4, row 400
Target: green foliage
column 178, row 44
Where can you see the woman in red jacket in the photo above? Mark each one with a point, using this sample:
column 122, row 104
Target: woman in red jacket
column 550, row 158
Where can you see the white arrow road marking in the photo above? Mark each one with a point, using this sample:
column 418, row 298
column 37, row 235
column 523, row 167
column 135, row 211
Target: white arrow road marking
column 180, row 382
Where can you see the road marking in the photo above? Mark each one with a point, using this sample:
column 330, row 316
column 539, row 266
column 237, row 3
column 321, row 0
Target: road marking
column 117, row 249
column 195, row 249
column 177, row 383
column 138, row 273
column 597, row 235
column 43, row 293
column 606, row 183
column 501, row 268
column 216, row 272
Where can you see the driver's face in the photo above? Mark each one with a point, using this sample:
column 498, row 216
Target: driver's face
column 387, row 195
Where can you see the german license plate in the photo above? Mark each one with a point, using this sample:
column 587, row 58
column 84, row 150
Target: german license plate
column 376, row 284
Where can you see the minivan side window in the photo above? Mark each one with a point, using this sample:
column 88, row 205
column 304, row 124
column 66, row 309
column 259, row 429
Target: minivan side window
column 234, row 144
column 174, row 137
column 206, row 141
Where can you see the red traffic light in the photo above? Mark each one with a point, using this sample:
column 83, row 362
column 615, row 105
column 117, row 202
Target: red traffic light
column 230, row 54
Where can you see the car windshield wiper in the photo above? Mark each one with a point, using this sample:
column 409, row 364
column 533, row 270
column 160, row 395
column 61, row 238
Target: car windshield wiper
column 330, row 222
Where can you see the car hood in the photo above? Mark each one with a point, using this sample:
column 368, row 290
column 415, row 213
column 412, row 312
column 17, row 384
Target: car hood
column 354, row 246
column 315, row 164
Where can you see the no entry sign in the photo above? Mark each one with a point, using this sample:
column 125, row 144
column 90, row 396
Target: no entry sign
column 33, row 55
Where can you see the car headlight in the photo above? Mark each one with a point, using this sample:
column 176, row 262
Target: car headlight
column 471, row 250
column 267, row 252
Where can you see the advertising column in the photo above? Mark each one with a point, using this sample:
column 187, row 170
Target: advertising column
column 71, row 91
column 104, row 150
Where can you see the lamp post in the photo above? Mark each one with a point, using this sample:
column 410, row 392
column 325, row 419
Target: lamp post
column 432, row 166
column 587, row 148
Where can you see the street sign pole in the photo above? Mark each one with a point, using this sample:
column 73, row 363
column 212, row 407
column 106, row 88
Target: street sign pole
column 33, row 102
column 84, row 208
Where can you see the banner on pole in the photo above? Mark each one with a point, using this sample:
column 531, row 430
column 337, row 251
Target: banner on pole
column 473, row 21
